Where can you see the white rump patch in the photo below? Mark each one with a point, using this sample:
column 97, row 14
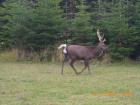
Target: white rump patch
column 64, row 48
column 65, row 51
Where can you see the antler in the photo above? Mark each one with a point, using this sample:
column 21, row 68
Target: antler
column 104, row 40
column 99, row 36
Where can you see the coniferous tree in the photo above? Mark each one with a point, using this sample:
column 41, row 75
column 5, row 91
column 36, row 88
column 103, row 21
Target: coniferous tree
column 5, row 39
column 115, row 20
column 81, row 27
column 33, row 29
column 37, row 24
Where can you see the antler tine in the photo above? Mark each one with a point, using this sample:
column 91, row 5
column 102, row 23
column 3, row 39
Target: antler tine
column 102, row 36
column 104, row 40
column 99, row 36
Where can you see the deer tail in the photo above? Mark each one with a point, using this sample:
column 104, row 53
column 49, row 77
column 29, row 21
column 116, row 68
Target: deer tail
column 63, row 46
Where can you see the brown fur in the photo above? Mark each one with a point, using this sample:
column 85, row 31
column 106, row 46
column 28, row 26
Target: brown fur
column 85, row 53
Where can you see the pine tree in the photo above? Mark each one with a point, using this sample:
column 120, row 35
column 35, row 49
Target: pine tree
column 80, row 27
column 34, row 28
column 112, row 18
column 134, row 22
column 5, row 39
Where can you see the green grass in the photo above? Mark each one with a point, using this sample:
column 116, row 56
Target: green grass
column 42, row 84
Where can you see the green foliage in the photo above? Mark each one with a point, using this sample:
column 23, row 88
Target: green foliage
column 135, row 24
column 81, row 27
column 4, row 37
column 117, row 23
column 35, row 28
column 29, row 25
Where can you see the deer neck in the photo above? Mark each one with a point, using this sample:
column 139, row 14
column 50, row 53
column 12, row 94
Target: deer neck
column 98, row 52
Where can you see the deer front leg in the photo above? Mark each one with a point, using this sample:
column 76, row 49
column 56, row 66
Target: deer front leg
column 86, row 62
column 89, row 69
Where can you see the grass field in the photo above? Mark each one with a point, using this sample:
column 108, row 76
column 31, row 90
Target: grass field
column 42, row 84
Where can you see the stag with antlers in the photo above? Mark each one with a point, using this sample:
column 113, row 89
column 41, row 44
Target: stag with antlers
column 85, row 53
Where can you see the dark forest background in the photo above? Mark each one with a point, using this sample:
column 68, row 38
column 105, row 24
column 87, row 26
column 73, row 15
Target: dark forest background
column 34, row 26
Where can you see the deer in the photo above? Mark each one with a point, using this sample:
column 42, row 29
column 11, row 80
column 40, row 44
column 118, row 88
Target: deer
column 74, row 53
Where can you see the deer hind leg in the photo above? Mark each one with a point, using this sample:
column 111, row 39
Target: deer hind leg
column 66, row 58
column 86, row 65
column 62, row 66
column 72, row 65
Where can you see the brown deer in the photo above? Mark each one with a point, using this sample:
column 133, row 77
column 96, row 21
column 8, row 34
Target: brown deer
column 85, row 53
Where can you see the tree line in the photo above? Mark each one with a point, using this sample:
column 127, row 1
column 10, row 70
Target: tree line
column 34, row 25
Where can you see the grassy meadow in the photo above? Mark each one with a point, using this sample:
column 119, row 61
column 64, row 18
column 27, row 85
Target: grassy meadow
column 42, row 84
